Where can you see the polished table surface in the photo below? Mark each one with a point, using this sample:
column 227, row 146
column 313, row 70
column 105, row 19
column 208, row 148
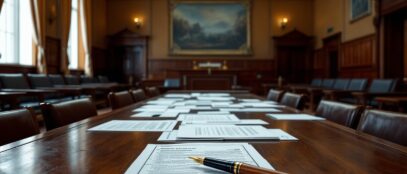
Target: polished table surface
column 323, row 147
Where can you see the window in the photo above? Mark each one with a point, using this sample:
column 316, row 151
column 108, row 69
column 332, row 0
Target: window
column 16, row 33
column 73, row 37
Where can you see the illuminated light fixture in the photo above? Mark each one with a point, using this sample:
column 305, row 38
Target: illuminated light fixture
column 138, row 23
column 283, row 23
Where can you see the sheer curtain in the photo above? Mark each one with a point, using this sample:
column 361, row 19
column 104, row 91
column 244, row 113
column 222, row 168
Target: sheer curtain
column 66, row 25
column 38, row 18
column 85, row 11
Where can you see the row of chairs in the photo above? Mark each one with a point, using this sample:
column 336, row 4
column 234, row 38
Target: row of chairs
column 386, row 125
column 353, row 91
column 56, row 88
column 22, row 123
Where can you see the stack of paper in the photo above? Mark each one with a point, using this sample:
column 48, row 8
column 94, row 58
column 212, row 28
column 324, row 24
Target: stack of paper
column 207, row 117
column 172, row 136
column 173, row 158
column 177, row 96
column 294, row 117
column 249, row 110
column 132, row 125
column 224, row 132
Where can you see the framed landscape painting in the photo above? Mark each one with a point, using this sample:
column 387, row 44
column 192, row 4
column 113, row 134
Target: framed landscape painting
column 360, row 9
column 210, row 27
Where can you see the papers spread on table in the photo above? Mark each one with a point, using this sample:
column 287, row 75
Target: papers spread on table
column 224, row 132
column 249, row 110
column 232, row 122
column 294, row 117
column 136, row 125
column 207, row 117
column 171, row 136
column 153, row 111
column 173, row 158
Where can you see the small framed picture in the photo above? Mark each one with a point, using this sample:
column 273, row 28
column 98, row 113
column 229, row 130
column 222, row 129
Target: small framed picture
column 360, row 9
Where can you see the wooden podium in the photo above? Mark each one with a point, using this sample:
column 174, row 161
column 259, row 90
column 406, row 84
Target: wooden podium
column 208, row 79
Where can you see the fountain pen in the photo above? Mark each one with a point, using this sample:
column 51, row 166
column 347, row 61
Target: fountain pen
column 233, row 167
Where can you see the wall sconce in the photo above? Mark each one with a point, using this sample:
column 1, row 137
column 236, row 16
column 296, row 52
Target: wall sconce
column 283, row 23
column 138, row 23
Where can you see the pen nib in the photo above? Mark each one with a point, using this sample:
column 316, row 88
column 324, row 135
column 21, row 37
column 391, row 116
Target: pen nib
column 197, row 159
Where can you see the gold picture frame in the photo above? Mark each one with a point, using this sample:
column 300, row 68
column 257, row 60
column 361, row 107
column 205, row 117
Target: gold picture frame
column 200, row 37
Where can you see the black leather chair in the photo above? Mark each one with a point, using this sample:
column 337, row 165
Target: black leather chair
column 390, row 126
column 344, row 95
column 152, row 91
column 40, row 81
column 56, row 79
column 103, row 79
column 292, row 100
column 357, row 85
column 61, row 114
column 316, row 82
column 138, row 95
column 328, row 83
column 19, row 83
column 72, row 80
column 316, row 94
column 120, row 99
column 14, row 81
column 17, row 125
column 341, row 113
column 88, row 80
column 378, row 87
column 275, row 95
column 341, row 84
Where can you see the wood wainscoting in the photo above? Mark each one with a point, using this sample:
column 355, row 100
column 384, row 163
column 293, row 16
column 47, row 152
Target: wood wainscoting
column 357, row 59
column 320, row 64
column 249, row 73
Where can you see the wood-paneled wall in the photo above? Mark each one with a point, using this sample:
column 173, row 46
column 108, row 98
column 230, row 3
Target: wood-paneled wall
column 357, row 59
column 251, row 73
column 320, row 63
column 53, row 55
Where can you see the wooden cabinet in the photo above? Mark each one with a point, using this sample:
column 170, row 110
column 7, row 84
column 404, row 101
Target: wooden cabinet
column 128, row 57
column 294, row 56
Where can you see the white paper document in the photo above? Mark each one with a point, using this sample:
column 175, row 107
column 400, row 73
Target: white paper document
column 143, row 109
column 250, row 110
column 178, row 96
column 232, row 122
column 171, row 136
column 224, row 132
column 294, row 117
column 215, row 94
column 173, row 158
column 147, row 114
column 209, row 117
column 213, row 112
column 216, row 98
column 136, row 125
column 163, row 101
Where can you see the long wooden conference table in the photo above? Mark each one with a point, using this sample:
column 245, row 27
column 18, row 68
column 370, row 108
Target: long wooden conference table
column 323, row 147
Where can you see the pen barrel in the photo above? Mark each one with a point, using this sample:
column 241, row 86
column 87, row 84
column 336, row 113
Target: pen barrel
column 226, row 166
column 250, row 169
